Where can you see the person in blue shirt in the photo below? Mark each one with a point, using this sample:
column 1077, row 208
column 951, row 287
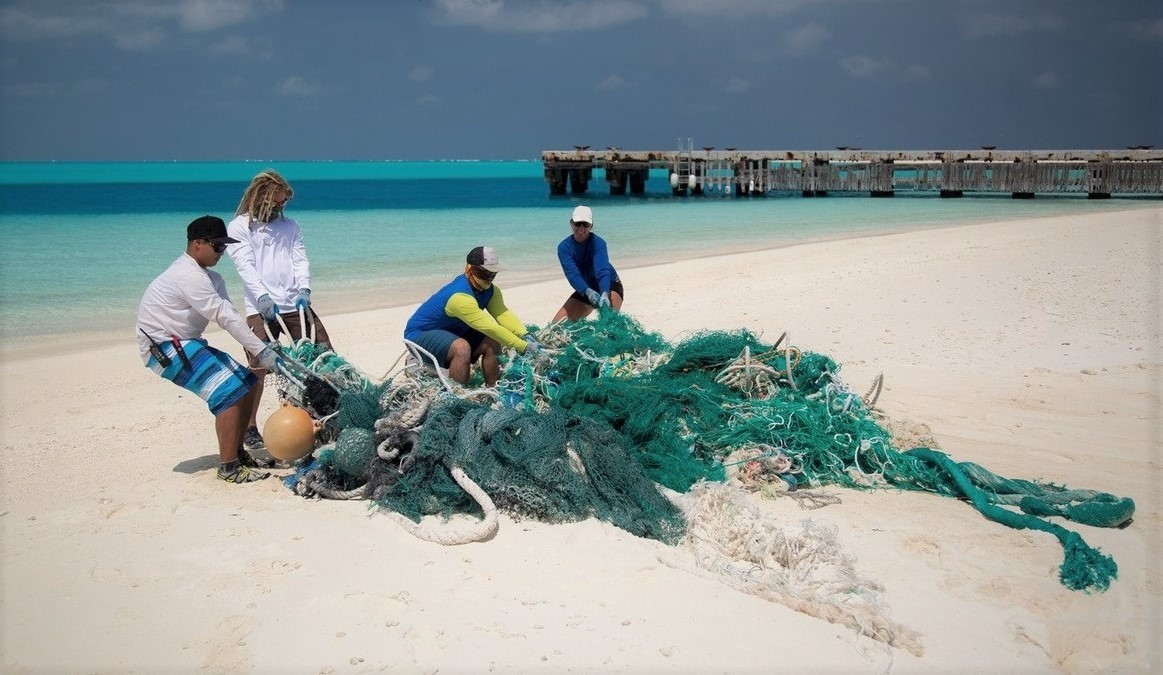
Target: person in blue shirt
column 587, row 267
column 467, row 320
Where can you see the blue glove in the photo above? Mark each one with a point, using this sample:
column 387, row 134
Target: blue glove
column 604, row 301
column 269, row 359
column 266, row 307
column 303, row 299
column 593, row 297
column 531, row 346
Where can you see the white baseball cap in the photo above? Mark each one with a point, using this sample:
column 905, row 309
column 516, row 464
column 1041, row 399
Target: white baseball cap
column 583, row 214
column 486, row 257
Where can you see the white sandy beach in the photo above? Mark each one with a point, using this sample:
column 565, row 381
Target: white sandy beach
column 1031, row 348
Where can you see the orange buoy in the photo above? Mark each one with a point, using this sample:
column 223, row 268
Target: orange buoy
column 289, row 433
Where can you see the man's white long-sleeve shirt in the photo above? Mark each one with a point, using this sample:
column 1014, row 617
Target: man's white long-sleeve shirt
column 270, row 259
column 182, row 301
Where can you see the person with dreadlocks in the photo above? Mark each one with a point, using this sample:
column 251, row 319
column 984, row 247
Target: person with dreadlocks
column 276, row 276
column 174, row 312
column 467, row 320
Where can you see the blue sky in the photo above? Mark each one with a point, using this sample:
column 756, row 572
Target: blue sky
column 506, row 79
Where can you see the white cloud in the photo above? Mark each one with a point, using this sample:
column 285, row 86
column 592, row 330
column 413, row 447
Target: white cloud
column 860, row 65
column 1147, row 29
column 231, row 46
column 735, row 85
column 132, row 25
column 807, row 38
column 917, row 72
column 992, row 24
column 1153, row 29
column 140, row 41
column 523, row 16
column 24, row 23
column 421, row 73
column 296, row 86
column 207, row 15
column 731, row 8
column 612, row 83
column 1047, row 80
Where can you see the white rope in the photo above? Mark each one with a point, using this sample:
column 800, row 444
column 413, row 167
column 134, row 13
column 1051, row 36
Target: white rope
column 731, row 540
column 426, row 360
column 789, row 365
column 330, row 493
column 749, row 376
column 483, row 529
column 873, row 394
column 285, row 371
column 286, row 331
column 385, row 453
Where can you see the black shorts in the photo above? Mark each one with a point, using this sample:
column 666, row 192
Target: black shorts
column 615, row 287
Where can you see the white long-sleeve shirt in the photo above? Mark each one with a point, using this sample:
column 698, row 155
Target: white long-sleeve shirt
column 270, row 259
column 182, row 301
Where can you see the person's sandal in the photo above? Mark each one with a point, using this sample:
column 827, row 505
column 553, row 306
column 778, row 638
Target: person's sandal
column 239, row 473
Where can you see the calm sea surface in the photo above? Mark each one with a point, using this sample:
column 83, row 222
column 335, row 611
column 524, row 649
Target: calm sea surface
column 79, row 242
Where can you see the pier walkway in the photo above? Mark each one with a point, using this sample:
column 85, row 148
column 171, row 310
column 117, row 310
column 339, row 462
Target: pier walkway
column 879, row 173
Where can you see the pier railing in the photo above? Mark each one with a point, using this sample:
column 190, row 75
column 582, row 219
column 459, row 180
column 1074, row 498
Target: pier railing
column 880, row 173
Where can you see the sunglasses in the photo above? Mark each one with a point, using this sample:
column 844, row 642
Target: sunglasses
column 582, row 225
column 483, row 274
column 218, row 246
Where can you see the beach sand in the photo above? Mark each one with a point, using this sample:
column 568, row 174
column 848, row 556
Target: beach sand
column 1031, row 348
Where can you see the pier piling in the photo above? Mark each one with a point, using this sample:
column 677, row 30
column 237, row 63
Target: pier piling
column 1100, row 174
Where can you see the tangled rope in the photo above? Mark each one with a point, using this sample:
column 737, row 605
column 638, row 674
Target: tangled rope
column 483, row 529
column 808, row 572
column 776, row 419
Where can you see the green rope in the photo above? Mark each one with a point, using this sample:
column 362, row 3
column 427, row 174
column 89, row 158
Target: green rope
column 1084, row 568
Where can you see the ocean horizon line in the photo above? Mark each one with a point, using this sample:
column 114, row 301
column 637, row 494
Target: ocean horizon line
column 208, row 171
column 254, row 161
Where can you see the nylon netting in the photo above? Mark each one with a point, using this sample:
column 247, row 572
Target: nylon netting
column 610, row 418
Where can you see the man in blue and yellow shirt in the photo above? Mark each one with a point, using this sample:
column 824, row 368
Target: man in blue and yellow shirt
column 467, row 320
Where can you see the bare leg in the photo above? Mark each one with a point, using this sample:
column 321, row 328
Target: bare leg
column 230, row 424
column 459, row 355
column 615, row 301
column 252, row 419
column 256, row 326
column 487, row 352
column 575, row 310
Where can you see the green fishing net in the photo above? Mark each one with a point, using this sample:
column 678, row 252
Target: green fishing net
column 608, row 412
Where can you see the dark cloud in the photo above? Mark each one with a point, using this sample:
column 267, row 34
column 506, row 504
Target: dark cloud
column 231, row 79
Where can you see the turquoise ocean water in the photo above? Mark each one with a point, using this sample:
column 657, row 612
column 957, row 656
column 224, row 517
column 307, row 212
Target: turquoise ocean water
column 79, row 242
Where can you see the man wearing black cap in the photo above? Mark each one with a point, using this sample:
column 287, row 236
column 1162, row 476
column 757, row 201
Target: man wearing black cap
column 468, row 320
column 173, row 314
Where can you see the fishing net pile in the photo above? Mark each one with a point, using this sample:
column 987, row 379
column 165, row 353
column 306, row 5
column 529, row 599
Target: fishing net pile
column 611, row 419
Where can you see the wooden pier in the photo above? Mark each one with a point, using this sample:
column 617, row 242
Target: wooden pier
column 880, row 173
